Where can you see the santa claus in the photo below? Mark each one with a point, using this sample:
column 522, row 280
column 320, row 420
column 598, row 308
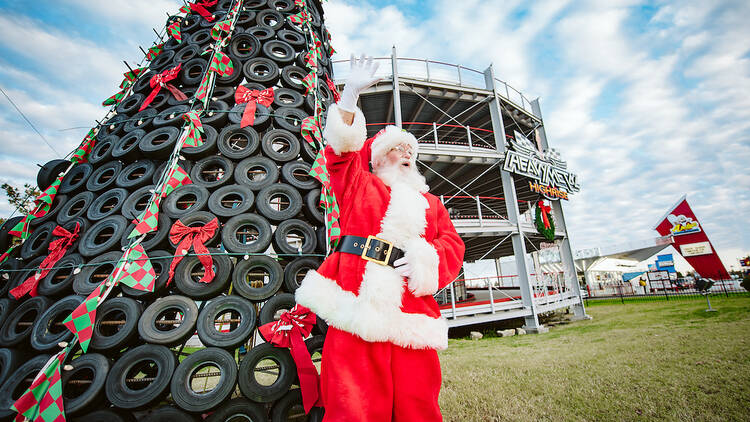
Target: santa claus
column 398, row 247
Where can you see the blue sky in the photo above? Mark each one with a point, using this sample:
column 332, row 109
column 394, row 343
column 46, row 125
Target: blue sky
column 646, row 100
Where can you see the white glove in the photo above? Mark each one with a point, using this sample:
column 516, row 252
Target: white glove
column 361, row 76
column 402, row 267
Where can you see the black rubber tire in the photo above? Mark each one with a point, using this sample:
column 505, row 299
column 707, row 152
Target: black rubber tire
column 130, row 104
column 192, row 197
column 48, row 329
column 185, row 54
column 114, row 125
column 245, row 19
column 190, row 270
column 218, row 17
column 143, row 84
column 75, row 207
column 95, row 272
column 312, row 209
column 235, row 239
column 239, row 409
column 159, row 143
column 161, row 170
column 12, row 334
column 102, row 151
column 249, row 385
column 261, row 70
column 193, row 70
column 262, row 116
column 273, row 308
column 271, row 271
column 295, row 271
column 113, row 338
column 231, row 200
column 6, row 306
column 171, row 116
column 290, row 407
column 293, row 38
column 8, row 275
column 280, row 145
column 270, row 18
column 172, row 44
column 298, row 229
column 169, row 414
column 279, row 51
column 106, row 204
column 160, row 260
column 76, row 178
column 256, row 173
column 49, row 172
column 315, row 343
column 10, row 359
column 244, row 46
column 216, row 114
column 141, row 120
column 289, row 118
column 261, row 32
column 233, row 78
column 153, row 240
column 291, row 77
column 237, row 143
column 26, row 269
column 92, row 243
column 57, row 204
column 286, row 194
column 206, row 149
column 201, row 38
column 255, row 4
column 136, row 202
column 122, row 396
column 320, row 231
column 90, row 366
column 287, row 97
column 106, row 415
column 104, row 177
column 200, row 218
column 164, row 60
column 200, row 176
column 192, row 401
column 190, row 23
column 238, row 333
column 59, row 280
column 38, row 242
column 5, row 237
column 223, row 93
column 163, row 306
column 189, row 93
column 297, row 174
column 126, row 148
column 136, row 174
column 160, row 101
column 17, row 384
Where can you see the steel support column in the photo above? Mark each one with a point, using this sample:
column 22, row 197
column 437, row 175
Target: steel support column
column 396, row 88
column 566, row 254
column 511, row 204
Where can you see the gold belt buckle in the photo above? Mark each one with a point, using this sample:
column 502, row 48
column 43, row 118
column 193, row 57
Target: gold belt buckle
column 377, row 261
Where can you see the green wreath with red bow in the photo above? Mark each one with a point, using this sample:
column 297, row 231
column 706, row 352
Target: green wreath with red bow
column 545, row 225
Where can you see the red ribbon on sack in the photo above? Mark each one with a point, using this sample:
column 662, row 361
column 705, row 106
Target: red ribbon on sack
column 252, row 97
column 184, row 236
column 159, row 81
column 200, row 8
column 544, row 209
column 289, row 331
column 57, row 250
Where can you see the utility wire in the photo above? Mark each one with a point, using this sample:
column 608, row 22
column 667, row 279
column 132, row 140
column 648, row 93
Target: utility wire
column 29, row 122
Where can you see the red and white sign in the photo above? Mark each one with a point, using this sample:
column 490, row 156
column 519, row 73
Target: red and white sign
column 692, row 241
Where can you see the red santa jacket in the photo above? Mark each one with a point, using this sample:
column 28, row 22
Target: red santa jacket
column 366, row 298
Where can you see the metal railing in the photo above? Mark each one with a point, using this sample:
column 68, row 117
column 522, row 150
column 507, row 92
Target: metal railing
column 447, row 136
column 439, row 72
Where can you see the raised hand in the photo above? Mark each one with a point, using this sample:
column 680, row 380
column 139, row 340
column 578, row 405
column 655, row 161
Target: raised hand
column 361, row 76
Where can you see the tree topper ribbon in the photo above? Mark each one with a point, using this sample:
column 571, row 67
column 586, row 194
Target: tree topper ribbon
column 252, row 97
column 159, row 81
column 545, row 209
column 289, row 331
column 57, row 250
column 184, row 236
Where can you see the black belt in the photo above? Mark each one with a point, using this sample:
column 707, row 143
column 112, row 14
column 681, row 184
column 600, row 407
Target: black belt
column 370, row 248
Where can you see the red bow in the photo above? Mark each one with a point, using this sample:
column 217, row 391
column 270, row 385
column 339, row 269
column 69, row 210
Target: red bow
column 545, row 209
column 57, row 250
column 160, row 80
column 200, row 8
column 252, row 97
column 183, row 236
column 334, row 91
column 289, row 331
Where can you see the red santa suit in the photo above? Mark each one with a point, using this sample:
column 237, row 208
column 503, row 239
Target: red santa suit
column 379, row 358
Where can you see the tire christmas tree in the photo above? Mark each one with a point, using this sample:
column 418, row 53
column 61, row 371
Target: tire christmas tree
column 195, row 208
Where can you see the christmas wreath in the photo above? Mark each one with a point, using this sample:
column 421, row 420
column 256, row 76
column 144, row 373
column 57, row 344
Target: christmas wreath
column 545, row 225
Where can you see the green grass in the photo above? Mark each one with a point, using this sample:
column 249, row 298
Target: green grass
column 638, row 361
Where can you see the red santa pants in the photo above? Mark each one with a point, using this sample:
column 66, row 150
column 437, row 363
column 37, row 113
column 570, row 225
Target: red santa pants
column 363, row 381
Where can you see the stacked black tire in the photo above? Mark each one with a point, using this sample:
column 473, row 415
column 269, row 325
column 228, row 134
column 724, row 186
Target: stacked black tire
column 253, row 179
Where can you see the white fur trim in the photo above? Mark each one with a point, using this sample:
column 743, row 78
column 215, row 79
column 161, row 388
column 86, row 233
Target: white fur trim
column 371, row 320
column 342, row 137
column 424, row 261
column 392, row 137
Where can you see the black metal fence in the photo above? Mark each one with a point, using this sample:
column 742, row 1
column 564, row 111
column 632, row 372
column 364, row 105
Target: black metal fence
column 659, row 291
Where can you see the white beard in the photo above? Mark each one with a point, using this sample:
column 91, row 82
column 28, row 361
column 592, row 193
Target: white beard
column 396, row 174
